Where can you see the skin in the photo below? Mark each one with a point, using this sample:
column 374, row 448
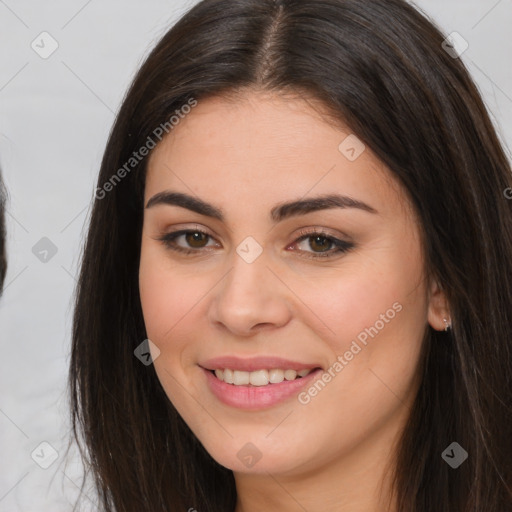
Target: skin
column 333, row 453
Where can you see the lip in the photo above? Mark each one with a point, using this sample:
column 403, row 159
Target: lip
column 257, row 397
column 255, row 363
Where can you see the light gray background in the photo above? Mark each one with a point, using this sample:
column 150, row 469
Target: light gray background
column 55, row 116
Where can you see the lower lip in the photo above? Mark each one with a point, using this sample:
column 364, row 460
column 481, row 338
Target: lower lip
column 257, row 397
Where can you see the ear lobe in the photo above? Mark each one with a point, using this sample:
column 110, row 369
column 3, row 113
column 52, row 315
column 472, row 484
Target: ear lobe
column 438, row 310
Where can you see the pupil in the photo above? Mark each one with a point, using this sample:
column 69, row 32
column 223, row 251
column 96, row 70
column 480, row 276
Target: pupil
column 195, row 238
column 326, row 242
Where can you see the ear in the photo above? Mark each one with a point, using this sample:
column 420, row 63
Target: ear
column 438, row 307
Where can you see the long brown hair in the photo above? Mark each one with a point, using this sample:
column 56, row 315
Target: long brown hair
column 3, row 250
column 380, row 67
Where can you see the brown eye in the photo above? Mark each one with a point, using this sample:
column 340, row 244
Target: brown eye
column 196, row 238
column 321, row 243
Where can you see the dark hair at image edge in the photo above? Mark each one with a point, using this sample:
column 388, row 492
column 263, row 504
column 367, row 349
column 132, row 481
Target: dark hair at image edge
column 379, row 67
column 3, row 251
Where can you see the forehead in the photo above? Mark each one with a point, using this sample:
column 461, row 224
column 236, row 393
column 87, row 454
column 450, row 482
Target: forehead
column 269, row 146
column 270, row 123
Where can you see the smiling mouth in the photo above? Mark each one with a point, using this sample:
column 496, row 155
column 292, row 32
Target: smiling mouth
column 259, row 378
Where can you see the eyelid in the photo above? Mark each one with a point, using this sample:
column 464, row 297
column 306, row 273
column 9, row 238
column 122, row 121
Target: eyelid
column 313, row 230
column 168, row 238
column 340, row 246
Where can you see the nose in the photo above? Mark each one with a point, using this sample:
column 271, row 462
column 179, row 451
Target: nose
column 250, row 299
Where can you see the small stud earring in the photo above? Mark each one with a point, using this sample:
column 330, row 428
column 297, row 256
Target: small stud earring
column 447, row 325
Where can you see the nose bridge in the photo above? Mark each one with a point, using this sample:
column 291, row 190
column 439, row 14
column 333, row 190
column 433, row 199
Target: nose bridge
column 250, row 294
column 247, row 280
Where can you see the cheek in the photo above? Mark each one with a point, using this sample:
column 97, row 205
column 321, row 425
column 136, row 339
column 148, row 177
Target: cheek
column 165, row 300
column 378, row 302
column 166, row 296
column 375, row 328
column 346, row 303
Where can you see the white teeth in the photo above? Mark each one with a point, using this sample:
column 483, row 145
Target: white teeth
column 240, row 378
column 275, row 376
column 259, row 377
column 290, row 374
column 228, row 376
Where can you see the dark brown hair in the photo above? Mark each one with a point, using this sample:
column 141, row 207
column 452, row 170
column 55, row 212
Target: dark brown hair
column 3, row 252
column 378, row 66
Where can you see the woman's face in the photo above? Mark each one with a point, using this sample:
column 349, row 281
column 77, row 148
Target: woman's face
column 350, row 301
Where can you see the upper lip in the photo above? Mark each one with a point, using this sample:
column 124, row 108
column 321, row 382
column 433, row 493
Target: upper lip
column 255, row 363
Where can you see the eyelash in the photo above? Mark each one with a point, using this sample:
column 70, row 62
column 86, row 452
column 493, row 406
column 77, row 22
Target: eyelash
column 341, row 246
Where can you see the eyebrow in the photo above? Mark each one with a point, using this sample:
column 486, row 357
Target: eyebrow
column 278, row 213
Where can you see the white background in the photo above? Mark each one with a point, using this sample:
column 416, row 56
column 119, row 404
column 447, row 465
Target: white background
column 55, row 116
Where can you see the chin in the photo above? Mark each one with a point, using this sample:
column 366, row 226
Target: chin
column 257, row 457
